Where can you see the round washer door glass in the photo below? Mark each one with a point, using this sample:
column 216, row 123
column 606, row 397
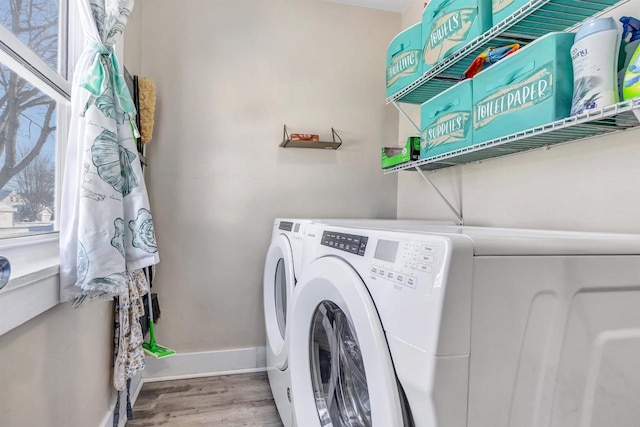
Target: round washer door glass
column 280, row 290
column 337, row 370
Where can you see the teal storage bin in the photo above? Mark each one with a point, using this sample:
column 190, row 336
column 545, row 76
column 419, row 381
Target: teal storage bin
column 529, row 88
column 404, row 59
column 446, row 121
column 448, row 25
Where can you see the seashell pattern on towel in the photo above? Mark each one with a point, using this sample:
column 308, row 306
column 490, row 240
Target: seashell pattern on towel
column 106, row 102
column 99, row 17
column 113, row 162
column 112, row 284
column 118, row 236
column 110, row 18
column 142, row 229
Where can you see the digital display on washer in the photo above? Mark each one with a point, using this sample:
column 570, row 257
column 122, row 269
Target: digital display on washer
column 286, row 226
column 386, row 250
column 345, row 242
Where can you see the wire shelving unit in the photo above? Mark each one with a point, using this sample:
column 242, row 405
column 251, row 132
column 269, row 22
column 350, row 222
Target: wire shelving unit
column 614, row 118
column 533, row 20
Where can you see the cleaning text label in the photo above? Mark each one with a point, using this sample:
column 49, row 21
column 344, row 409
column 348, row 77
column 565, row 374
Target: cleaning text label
column 532, row 89
column 447, row 32
column 403, row 65
column 447, row 129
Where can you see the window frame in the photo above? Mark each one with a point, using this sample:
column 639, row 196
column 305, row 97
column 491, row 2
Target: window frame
column 34, row 284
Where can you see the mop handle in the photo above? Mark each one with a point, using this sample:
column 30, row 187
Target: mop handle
column 152, row 338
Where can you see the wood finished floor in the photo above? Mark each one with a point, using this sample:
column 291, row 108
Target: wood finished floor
column 229, row 400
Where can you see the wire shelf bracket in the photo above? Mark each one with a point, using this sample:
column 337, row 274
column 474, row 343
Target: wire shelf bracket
column 457, row 214
column 406, row 116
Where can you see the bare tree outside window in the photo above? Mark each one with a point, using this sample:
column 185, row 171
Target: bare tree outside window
column 36, row 185
column 27, row 123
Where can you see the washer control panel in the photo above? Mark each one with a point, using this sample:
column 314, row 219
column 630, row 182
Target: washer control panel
column 404, row 263
column 345, row 242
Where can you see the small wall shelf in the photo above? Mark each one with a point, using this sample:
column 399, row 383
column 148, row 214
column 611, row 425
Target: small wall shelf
column 331, row 145
column 614, row 118
column 533, row 20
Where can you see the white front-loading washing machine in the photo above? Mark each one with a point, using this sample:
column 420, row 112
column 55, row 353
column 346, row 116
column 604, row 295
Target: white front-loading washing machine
column 466, row 327
column 283, row 266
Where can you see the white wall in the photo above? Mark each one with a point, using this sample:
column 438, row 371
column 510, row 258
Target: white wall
column 55, row 370
column 587, row 185
column 229, row 74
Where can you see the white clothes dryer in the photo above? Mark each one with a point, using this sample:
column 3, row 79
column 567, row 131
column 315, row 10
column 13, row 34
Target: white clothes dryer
column 281, row 270
column 381, row 330
column 283, row 266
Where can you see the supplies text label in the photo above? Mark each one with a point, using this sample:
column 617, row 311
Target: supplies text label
column 447, row 129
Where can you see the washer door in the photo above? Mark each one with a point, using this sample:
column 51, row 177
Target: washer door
column 279, row 282
column 341, row 369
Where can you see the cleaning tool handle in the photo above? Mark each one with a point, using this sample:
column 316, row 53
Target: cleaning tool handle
column 152, row 335
column 630, row 25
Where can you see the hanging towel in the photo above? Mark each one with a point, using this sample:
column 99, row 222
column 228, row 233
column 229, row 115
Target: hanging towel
column 106, row 228
column 129, row 356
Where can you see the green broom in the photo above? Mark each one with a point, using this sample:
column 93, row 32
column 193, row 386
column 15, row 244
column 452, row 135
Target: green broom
column 152, row 348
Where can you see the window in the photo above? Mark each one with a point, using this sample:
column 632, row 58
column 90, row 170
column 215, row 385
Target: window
column 34, row 119
column 33, row 89
column 36, row 23
column 28, row 144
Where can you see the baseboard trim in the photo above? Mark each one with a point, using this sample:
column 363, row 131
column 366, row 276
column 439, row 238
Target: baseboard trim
column 203, row 375
column 136, row 386
column 190, row 365
column 107, row 420
column 137, row 383
column 205, row 364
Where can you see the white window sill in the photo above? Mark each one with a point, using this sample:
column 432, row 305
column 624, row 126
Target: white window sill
column 34, row 284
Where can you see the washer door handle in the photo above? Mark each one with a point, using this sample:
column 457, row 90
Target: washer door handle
column 5, row 271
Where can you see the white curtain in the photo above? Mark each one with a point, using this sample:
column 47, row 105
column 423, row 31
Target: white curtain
column 106, row 227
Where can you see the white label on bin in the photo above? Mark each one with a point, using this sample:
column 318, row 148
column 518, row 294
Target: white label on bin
column 447, row 32
column 403, row 65
column 530, row 89
column 450, row 128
